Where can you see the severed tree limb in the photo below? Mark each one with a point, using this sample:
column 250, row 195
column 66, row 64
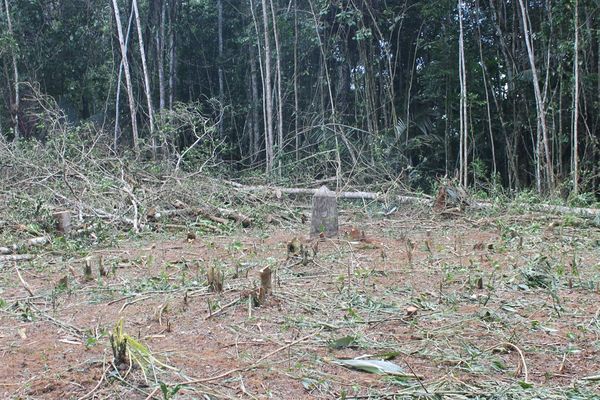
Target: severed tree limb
column 156, row 215
column 225, row 307
column 23, row 282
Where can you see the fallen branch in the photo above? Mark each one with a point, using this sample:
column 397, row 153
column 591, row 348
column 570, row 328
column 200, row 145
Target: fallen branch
column 25, row 284
column 256, row 364
column 15, row 257
column 37, row 241
column 212, row 214
column 522, row 366
column 220, row 310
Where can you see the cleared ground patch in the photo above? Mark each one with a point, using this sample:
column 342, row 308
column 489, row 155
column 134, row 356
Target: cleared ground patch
column 476, row 306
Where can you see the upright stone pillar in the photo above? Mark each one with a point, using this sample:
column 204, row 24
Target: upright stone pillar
column 324, row 219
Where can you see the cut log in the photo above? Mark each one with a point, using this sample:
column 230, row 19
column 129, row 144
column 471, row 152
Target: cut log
column 218, row 215
column 324, row 219
column 278, row 191
column 236, row 216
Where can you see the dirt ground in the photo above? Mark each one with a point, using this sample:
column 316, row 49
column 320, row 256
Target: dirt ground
column 471, row 306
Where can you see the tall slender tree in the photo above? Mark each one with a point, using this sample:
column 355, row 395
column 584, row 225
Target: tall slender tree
column 118, row 94
column 575, row 138
column 144, row 66
column 220, row 60
column 132, row 110
column 267, row 89
column 173, row 15
column 464, row 129
column 539, row 102
column 279, row 96
column 16, row 105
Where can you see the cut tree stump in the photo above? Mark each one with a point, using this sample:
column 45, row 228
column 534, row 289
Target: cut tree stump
column 88, row 274
column 265, row 284
column 324, row 219
column 216, row 279
column 63, row 221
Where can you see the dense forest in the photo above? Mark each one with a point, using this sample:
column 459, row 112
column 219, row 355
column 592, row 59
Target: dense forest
column 490, row 93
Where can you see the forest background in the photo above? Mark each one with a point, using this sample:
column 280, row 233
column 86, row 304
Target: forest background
column 499, row 95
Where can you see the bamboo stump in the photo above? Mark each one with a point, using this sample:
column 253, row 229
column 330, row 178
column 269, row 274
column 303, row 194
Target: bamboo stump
column 324, row 221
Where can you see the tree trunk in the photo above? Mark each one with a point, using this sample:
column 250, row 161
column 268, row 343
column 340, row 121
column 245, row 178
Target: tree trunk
column 487, row 98
column 15, row 107
column 118, row 94
column 220, row 61
column 172, row 54
column 267, row 91
column 409, row 87
column 296, row 107
column 541, row 108
column 255, row 141
column 160, row 55
column 423, row 201
column 464, row 129
column 144, row 66
column 332, row 104
column 575, row 151
column 134, row 129
column 262, row 79
column 280, row 143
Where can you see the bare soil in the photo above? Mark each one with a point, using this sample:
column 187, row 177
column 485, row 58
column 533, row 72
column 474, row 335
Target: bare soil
column 506, row 306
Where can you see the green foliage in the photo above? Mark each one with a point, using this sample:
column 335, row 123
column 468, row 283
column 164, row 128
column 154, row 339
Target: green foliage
column 169, row 392
column 127, row 349
column 372, row 87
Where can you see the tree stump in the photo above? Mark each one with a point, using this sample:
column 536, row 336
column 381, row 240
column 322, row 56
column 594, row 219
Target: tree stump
column 88, row 274
column 63, row 221
column 324, row 221
column 265, row 284
column 216, row 279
